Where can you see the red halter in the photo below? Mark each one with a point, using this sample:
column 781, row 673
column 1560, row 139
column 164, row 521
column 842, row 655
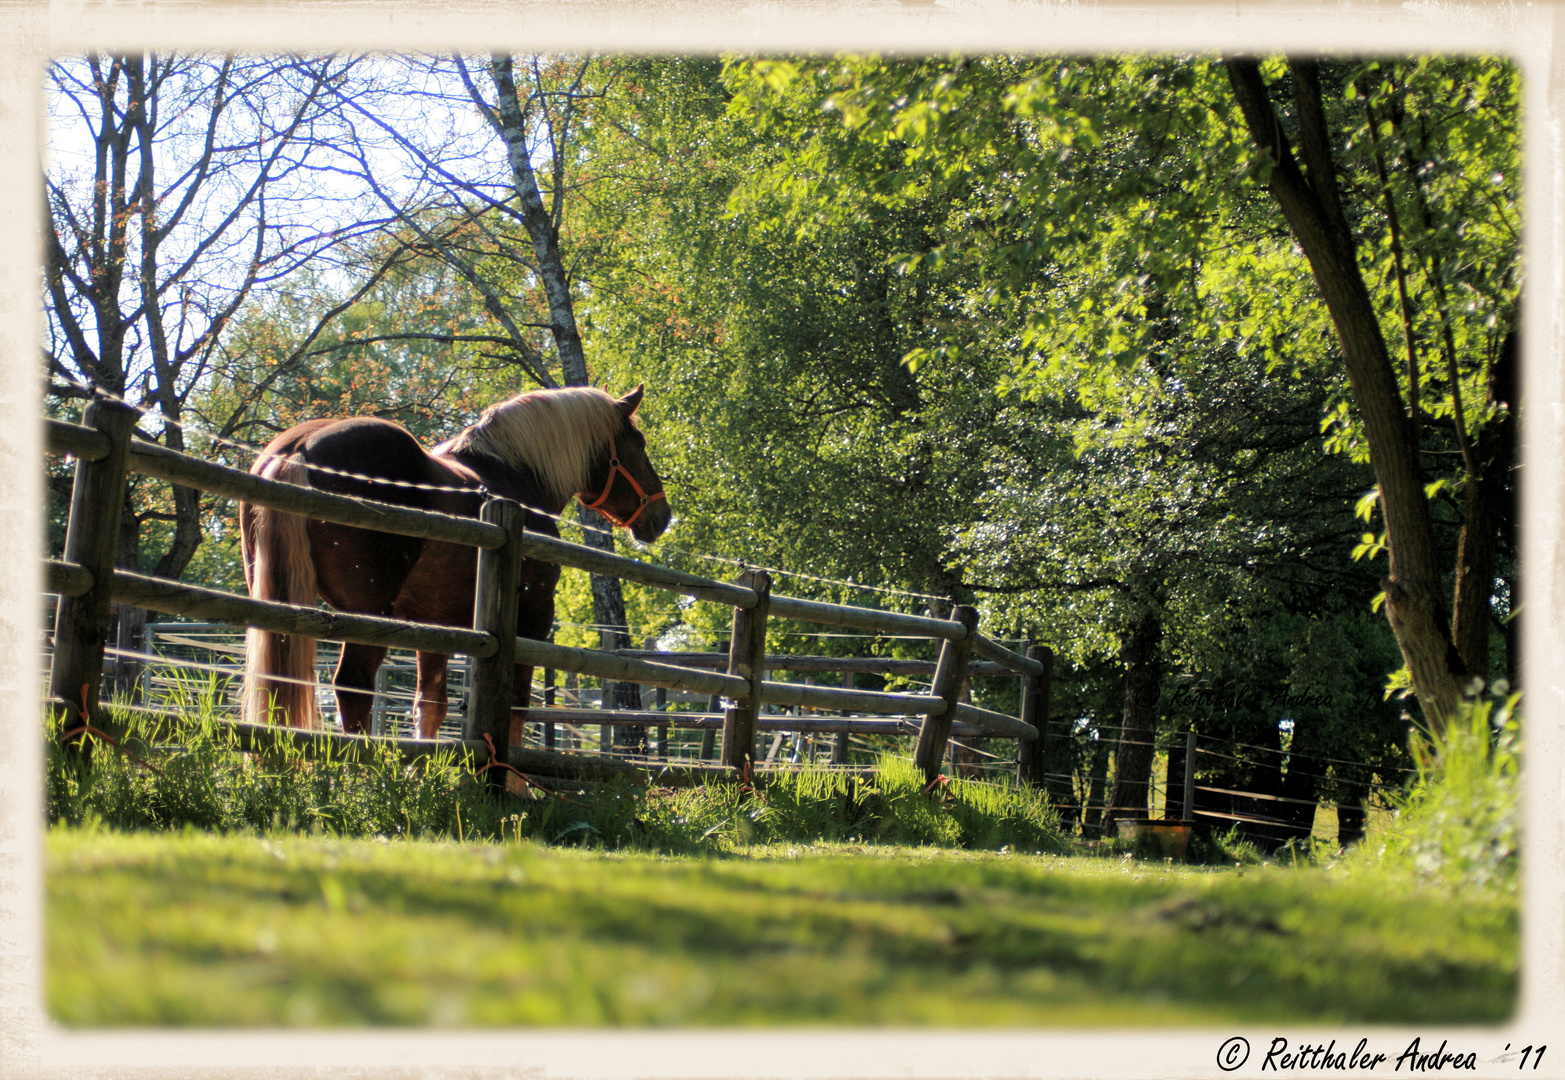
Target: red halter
column 608, row 486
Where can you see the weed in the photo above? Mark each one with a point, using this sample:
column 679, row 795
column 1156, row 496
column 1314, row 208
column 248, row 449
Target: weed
column 1460, row 823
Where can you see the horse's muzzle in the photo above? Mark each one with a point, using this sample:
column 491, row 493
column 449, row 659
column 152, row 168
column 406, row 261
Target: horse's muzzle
column 652, row 521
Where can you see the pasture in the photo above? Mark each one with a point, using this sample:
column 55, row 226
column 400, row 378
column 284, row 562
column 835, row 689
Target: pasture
column 306, row 931
column 297, row 889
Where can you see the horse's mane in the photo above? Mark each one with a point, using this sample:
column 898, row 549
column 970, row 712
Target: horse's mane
column 553, row 433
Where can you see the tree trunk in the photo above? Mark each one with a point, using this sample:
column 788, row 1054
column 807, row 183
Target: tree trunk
column 540, row 223
column 1133, row 756
column 1486, row 502
column 608, row 611
column 1310, row 204
column 608, row 599
column 1097, row 773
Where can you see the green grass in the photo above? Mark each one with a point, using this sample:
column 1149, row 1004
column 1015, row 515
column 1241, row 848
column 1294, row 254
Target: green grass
column 189, row 773
column 203, row 886
column 204, row 929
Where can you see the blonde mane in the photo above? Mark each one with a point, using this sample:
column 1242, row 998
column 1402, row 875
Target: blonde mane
column 554, row 433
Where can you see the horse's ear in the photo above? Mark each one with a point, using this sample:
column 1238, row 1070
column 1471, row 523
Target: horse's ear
column 631, row 401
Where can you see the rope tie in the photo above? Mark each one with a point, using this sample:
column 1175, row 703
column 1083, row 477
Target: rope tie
column 88, row 729
column 494, row 762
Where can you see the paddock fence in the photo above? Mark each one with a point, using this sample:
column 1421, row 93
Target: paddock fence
column 736, row 683
column 1265, row 795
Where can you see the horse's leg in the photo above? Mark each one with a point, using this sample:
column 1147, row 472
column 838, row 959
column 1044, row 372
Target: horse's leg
column 431, row 694
column 355, row 685
column 521, row 698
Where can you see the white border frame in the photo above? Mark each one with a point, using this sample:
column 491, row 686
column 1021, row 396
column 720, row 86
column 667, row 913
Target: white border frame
column 32, row 1045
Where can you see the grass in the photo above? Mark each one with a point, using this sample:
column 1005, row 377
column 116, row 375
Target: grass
column 179, row 773
column 303, row 931
column 201, row 886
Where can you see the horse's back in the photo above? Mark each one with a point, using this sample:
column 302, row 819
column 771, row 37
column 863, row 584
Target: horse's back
column 371, row 458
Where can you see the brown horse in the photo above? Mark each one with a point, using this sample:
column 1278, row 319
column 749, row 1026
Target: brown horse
column 538, row 448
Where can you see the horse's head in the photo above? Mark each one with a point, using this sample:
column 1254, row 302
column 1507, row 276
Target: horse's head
column 624, row 487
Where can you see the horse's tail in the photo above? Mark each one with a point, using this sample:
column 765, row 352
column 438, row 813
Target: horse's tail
column 279, row 685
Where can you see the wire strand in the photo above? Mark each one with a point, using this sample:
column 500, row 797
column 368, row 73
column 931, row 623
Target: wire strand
column 235, row 444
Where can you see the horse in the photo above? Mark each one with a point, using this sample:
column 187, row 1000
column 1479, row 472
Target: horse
column 538, row 448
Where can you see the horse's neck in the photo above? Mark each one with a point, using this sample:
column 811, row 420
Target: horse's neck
column 506, row 481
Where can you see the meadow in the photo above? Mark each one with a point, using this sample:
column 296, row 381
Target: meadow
column 200, row 886
column 301, row 930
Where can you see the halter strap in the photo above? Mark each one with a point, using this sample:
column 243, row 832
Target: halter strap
column 608, row 486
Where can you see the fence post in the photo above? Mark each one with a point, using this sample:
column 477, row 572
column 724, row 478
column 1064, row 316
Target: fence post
column 493, row 678
column 81, row 623
column 747, row 659
column 1036, row 693
column 950, row 672
column 1189, row 812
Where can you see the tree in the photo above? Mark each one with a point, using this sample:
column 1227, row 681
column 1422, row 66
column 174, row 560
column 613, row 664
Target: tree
column 1048, row 231
column 177, row 186
column 467, row 192
column 1112, row 197
column 1441, row 652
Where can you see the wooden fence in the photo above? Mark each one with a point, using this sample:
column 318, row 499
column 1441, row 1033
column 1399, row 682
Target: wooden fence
column 88, row 582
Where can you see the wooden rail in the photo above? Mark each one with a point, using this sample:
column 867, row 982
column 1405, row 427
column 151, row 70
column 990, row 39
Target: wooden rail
column 67, row 579
column 501, row 540
column 177, row 598
column 151, row 459
column 623, row 669
column 869, row 665
column 829, row 697
column 581, row 557
column 705, row 721
column 887, row 622
column 1011, row 661
column 995, row 723
column 154, row 460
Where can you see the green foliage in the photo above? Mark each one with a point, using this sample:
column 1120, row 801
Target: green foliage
column 1024, row 331
column 1460, row 823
